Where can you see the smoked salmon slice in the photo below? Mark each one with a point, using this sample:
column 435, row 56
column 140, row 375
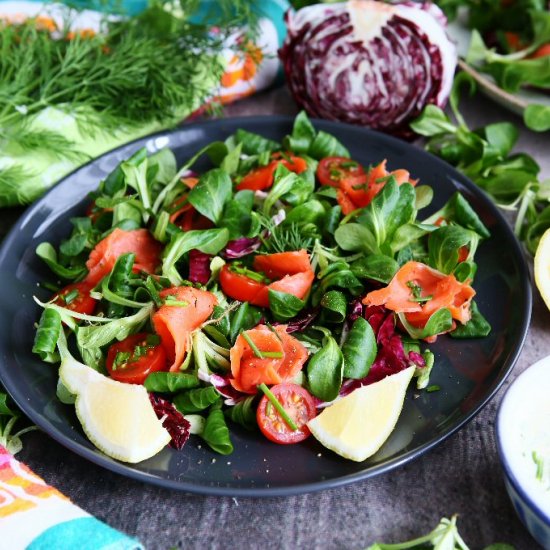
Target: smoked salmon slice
column 249, row 370
column 104, row 256
column 277, row 265
column 416, row 280
column 174, row 322
column 359, row 191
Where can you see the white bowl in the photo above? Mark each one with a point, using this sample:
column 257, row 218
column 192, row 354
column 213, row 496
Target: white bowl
column 523, row 427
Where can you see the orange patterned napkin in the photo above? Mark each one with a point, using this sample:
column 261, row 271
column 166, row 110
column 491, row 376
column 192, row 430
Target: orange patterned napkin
column 35, row 516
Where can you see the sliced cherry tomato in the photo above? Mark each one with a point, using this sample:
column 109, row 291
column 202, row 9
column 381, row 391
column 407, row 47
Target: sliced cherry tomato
column 76, row 297
column 133, row 359
column 262, row 177
column 186, row 217
column 332, row 170
column 298, row 404
column 258, row 179
column 463, row 252
column 543, row 51
column 245, row 289
column 241, row 287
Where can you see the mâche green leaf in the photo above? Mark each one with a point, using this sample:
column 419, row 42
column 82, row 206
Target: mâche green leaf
column 359, row 349
column 325, row 369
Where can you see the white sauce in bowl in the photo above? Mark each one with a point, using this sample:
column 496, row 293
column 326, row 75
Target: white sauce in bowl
column 524, row 433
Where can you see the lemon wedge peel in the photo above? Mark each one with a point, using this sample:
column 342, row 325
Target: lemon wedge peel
column 542, row 267
column 357, row 425
column 117, row 418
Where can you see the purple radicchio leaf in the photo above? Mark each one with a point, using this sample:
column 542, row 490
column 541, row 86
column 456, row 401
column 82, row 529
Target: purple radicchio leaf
column 391, row 357
column 356, row 310
column 224, row 388
column 199, row 267
column 300, row 323
column 172, row 421
column 241, row 247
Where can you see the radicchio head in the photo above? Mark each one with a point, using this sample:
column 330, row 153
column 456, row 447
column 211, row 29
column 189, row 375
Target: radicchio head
column 368, row 62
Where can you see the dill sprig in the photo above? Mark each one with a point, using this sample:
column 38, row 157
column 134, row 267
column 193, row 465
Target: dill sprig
column 154, row 67
column 286, row 237
column 10, row 185
column 35, row 139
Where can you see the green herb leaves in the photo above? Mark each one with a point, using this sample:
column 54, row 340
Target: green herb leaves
column 485, row 155
column 211, row 194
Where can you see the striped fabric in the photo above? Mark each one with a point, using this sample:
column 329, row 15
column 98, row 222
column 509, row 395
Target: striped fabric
column 35, row 516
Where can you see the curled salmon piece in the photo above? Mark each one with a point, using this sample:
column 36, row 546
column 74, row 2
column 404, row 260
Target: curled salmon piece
column 415, row 281
column 104, row 256
column 186, row 310
column 285, row 357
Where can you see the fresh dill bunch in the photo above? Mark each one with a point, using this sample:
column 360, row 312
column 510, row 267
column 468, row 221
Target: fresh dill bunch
column 154, row 67
column 10, row 185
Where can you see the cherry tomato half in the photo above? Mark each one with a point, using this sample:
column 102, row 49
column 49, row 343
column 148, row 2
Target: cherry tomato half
column 240, row 287
column 133, row 359
column 76, row 297
column 299, row 405
column 262, row 177
column 333, row 170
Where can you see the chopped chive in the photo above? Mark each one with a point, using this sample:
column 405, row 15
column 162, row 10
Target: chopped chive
column 433, row 388
column 272, row 329
column 139, row 351
column 171, row 301
column 70, row 296
column 252, row 345
column 422, row 299
column 280, row 409
column 349, row 164
column 360, row 186
column 152, row 289
column 286, row 157
column 416, row 291
column 121, row 359
column 335, row 174
column 539, row 462
column 255, row 276
column 272, row 354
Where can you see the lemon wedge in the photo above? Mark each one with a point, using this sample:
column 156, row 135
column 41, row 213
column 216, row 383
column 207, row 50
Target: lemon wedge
column 357, row 425
column 118, row 418
column 542, row 267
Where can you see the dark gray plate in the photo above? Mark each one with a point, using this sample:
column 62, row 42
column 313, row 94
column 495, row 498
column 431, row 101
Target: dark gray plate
column 468, row 371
